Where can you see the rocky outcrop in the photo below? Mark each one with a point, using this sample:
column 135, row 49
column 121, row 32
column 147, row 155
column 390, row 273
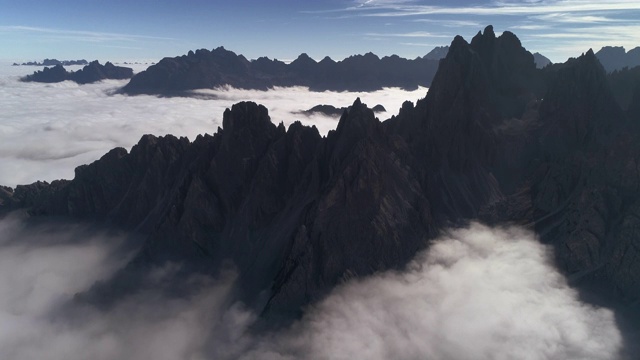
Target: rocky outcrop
column 204, row 69
column 495, row 139
column 88, row 74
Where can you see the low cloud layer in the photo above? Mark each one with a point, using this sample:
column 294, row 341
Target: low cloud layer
column 478, row 293
column 46, row 130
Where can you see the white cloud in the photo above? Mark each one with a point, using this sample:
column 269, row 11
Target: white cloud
column 46, row 130
column 478, row 293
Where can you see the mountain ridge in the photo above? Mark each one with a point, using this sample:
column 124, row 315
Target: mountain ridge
column 90, row 73
column 218, row 67
column 495, row 139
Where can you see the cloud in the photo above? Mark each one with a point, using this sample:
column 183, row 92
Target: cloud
column 43, row 266
column 76, row 35
column 412, row 34
column 46, row 130
column 478, row 293
column 414, row 8
column 533, row 19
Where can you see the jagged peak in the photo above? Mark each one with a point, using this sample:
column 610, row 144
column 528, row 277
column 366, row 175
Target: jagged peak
column 488, row 31
column 457, row 45
column 246, row 114
column 510, row 37
column 482, row 39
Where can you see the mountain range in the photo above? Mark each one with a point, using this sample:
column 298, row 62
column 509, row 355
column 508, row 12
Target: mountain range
column 616, row 58
column 495, row 139
column 92, row 72
column 53, row 62
column 204, row 69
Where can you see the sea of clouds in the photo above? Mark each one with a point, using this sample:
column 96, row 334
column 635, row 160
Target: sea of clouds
column 46, row 130
column 477, row 293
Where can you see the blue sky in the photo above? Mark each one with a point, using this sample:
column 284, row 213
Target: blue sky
column 143, row 29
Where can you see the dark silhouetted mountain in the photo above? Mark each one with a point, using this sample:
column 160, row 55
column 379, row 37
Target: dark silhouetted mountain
column 204, row 69
column 495, row 139
column 439, row 52
column 540, row 60
column 54, row 62
column 88, row 74
column 334, row 111
column 625, row 85
column 615, row 57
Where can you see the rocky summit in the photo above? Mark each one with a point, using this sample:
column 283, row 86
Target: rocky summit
column 495, row 139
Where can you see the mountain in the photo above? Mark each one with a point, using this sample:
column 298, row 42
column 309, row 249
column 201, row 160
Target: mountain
column 439, row 52
column 615, row 57
column 540, row 60
column 495, row 139
column 335, row 111
column 54, row 62
column 88, row 74
column 204, row 69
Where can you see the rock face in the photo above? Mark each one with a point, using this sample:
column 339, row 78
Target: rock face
column 204, row 69
column 88, row 74
column 495, row 139
column 616, row 58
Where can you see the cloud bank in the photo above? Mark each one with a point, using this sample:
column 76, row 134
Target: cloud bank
column 46, row 130
column 477, row 293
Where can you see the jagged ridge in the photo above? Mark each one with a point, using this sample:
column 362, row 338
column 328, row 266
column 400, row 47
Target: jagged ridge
column 204, row 69
column 495, row 139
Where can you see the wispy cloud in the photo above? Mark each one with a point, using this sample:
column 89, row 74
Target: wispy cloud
column 78, row 35
column 404, row 8
column 450, row 22
column 413, row 34
column 570, row 23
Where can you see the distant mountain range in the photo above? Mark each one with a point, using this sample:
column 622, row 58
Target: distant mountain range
column 91, row 73
column 53, row 62
column 204, row 69
column 335, row 111
column 540, row 60
column 439, row 52
column 616, row 58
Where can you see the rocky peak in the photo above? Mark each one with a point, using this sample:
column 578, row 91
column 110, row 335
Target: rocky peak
column 439, row 52
column 357, row 121
column 247, row 116
column 579, row 105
